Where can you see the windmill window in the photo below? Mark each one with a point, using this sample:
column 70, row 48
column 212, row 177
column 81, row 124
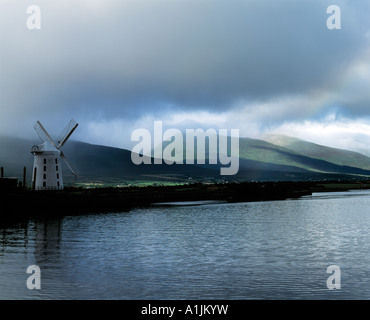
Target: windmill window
column 58, row 184
column 58, row 176
column 44, row 184
column 44, row 175
column 44, row 161
column 57, row 168
column 56, row 161
column 44, row 168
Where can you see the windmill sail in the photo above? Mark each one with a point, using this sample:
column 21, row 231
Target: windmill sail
column 42, row 133
column 66, row 133
column 69, row 166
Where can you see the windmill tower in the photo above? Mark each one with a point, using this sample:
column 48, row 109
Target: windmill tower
column 47, row 169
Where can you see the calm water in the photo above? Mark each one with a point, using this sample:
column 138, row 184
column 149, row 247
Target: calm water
column 259, row 250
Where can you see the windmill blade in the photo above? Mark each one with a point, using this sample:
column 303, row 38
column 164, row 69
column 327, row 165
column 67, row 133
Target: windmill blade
column 66, row 133
column 69, row 166
column 42, row 133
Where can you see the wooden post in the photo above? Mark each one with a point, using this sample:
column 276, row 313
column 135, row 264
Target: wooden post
column 24, row 177
column 34, row 179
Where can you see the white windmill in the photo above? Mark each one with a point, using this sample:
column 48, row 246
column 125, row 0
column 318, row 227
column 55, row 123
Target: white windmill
column 47, row 171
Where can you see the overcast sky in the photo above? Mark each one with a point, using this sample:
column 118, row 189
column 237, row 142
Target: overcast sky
column 261, row 66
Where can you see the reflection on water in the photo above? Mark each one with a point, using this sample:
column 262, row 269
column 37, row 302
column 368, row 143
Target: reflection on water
column 22, row 245
column 187, row 203
column 257, row 250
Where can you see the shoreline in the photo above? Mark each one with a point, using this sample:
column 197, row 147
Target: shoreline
column 21, row 204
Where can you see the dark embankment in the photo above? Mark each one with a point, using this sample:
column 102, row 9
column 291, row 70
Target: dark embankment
column 23, row 204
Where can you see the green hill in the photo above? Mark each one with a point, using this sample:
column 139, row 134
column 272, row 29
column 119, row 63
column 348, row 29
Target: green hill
column 337, row 156
column 260, row 160
column 267, row 152
column 263, row 151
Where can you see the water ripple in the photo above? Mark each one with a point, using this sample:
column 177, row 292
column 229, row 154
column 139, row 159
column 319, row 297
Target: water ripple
column 257, row 250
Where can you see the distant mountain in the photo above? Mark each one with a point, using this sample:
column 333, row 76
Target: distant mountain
column 259, row 160
column 95, row 164
column 267, row 152
column 337, row 156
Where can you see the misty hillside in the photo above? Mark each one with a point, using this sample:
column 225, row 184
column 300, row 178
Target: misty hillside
column 313, row 150
column 259, row 160
column 261, row 150
column 94, row 164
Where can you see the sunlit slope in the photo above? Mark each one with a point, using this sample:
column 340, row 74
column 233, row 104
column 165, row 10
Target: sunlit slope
column 263, row 151
column 313, row 150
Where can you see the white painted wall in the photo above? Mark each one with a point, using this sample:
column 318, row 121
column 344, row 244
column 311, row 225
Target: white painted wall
column 49, row 171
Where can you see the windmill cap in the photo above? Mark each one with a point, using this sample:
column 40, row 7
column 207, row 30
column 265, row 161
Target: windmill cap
column 45, row 147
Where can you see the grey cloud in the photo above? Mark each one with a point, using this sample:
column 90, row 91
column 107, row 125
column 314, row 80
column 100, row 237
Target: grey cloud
column 133, row 57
